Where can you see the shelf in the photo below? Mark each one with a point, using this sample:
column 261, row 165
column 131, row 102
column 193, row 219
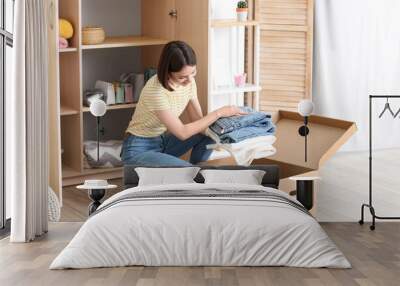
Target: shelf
column 114, row 107
column 72, row 177
column 235, row 89
column 64, row 110
column 100, row 170
column 67, row 50
column 68, row 172
column 226, row 23
column 126, row 41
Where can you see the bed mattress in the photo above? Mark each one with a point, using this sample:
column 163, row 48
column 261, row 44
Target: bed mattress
column 201, row 225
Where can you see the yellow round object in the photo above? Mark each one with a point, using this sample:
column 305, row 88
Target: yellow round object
column 65, row 29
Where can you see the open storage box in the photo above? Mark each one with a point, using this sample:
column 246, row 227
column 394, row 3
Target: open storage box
column 326, row 136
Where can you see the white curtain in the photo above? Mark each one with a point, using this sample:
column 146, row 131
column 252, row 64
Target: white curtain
column 357, row 53
column 26, row 130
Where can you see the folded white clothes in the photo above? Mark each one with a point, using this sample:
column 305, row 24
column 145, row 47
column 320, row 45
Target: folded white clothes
column 244, row 152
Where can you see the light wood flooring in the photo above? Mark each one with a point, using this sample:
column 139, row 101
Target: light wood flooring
column 344, row 185
column 375, row 257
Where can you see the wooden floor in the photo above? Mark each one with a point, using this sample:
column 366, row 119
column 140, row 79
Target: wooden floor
column 344, row 185
column 375, row 257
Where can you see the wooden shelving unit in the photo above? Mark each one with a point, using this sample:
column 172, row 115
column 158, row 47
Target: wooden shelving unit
column 193, row 24
column 72, row 177
column 227, row 23
column 67, row 112
column 127, row 41
column 71, row 173
column 236, row 89
column 68, row 50
column 68, row 172
column 157, row 27
column 64, row 110
column 253, row 86
column 114, row 107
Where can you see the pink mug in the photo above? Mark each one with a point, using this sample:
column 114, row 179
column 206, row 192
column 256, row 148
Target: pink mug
column 240, row 79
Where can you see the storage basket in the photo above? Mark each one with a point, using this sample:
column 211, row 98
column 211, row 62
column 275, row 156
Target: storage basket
column 93, row 35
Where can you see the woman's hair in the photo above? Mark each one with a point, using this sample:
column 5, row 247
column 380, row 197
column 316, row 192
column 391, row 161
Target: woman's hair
column 174, row 57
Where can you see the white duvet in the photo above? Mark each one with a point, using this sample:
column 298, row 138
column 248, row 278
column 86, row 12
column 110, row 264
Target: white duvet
column 191, row 231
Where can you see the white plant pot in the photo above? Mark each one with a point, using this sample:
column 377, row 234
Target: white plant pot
column 242, row 16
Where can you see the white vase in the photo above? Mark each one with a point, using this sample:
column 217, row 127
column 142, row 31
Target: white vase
column 242, row 16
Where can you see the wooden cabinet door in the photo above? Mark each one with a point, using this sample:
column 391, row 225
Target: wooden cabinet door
column 285, row 52
column 189, row 24
column 192, row 27
column 157, row 21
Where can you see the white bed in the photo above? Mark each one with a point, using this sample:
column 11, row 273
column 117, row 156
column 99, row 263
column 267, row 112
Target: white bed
column 258, row 226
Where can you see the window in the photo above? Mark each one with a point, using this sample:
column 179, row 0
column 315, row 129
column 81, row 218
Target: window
column 6, row 71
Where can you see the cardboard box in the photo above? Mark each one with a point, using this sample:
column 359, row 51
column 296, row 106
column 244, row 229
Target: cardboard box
column 326, row 136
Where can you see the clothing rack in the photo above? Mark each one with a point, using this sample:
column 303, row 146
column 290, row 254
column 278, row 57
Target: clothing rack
column 370, row 205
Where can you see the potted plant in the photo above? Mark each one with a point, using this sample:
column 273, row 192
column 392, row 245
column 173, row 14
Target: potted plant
column 242, row 10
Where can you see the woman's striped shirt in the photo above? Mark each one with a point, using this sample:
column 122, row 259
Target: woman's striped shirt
column 154, row 97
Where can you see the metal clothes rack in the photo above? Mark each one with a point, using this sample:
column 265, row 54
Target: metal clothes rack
column 370, row 205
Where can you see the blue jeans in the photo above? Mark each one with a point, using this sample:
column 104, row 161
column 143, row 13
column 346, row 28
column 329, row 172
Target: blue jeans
column 229, row 124
column 164, row 150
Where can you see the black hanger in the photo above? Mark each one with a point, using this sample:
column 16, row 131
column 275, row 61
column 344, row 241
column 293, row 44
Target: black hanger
column 397, row 113
column 387, row 107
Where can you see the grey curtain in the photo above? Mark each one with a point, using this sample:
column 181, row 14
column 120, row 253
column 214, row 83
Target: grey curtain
column 26, row 131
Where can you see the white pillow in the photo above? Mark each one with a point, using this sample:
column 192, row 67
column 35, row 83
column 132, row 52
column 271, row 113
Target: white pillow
column 248, row 177
column 164, row 176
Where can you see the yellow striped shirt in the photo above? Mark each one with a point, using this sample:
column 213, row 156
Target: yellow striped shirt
column 154, row 97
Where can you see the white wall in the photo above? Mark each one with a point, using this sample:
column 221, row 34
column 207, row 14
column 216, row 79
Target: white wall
column 357, row 53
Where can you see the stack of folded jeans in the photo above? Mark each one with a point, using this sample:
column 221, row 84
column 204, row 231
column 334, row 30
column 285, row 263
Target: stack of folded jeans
column 245, row 137
column 238, row 128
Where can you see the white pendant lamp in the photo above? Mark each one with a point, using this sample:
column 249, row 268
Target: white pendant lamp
column 98, row 108
column 305, row 109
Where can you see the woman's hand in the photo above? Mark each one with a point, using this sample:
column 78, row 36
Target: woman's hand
column 229, row 110
column 184, row 131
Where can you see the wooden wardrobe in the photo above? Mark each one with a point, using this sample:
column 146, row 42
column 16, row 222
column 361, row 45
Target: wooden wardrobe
column 285, row 63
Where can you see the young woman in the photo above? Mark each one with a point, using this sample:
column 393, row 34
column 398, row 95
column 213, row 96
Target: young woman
column 156, row 135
